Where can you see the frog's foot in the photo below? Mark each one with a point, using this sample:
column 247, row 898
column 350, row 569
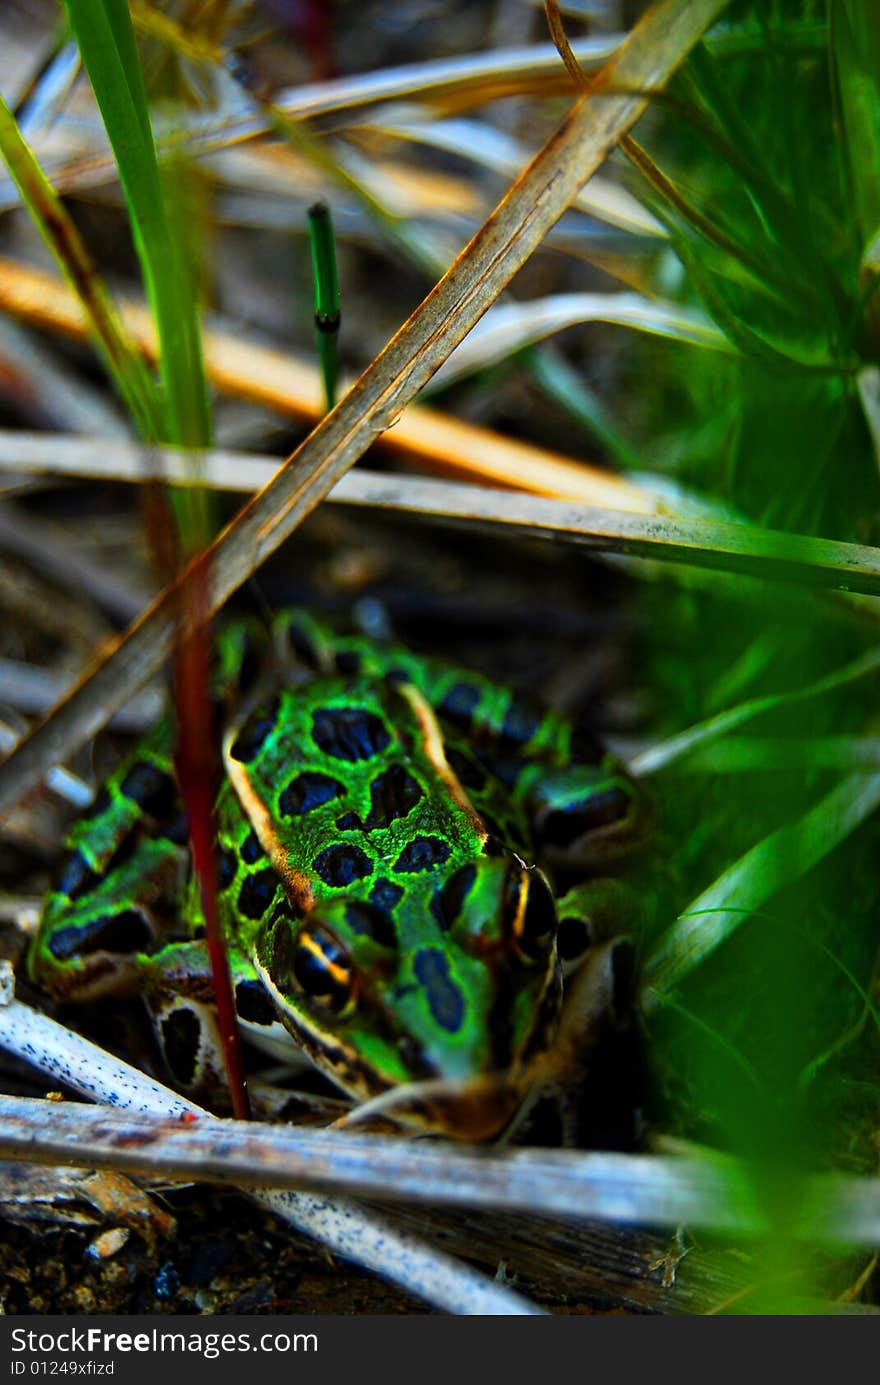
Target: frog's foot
column 588, row 1085
column 272, row 1101
column 591, row 913
column 585, row 815
column 473, row 1108
column 94, row 950
column 179, row 994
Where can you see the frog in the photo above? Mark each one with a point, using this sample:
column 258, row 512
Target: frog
column 415, row 874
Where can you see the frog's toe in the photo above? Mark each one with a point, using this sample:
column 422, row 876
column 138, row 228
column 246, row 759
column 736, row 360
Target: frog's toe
column 189, row 1039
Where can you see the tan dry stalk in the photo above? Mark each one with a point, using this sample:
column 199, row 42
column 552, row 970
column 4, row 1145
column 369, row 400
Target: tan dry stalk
column 657, row 45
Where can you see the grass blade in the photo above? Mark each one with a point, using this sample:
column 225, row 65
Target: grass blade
column 106, row 41
column 653, row 51
column 783, row 856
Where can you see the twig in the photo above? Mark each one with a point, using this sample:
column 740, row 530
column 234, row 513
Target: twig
column 342, row 1226
column 652, row 52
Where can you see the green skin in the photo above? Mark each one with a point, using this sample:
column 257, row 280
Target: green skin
column 376, row 831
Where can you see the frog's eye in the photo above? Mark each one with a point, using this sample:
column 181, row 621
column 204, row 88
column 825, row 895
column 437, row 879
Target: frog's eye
column 530, row 913
column 322, row 970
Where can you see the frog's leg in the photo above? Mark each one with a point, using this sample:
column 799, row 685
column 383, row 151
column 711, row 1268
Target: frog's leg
column 598, row 1056
column 584, row 815
column 599, row 1003
column 116, row 892
column 583, row 808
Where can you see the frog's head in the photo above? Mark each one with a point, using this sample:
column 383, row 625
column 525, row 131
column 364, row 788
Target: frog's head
column 435, row 1001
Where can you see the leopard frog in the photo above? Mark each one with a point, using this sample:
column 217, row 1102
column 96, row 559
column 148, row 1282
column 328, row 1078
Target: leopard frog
column 387, row 829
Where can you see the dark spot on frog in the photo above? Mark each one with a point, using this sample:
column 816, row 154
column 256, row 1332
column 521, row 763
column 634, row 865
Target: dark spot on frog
column 102, row 802
column 151, row 788
column 369, row 921
column 563, row 825
column 444, row 997
column 385, row 894
column 447, row 902
column 414, row 1056
column 251, row 850
column 349, row 733
column 521, row 721
column 393, row 794
column 349, row 822
column 227, row 868
column 585, row 749
column 77, row 877
column 124, row 933
column 348, row 661
column 253, row 735
column 422, row 854
column 253, row 1004
column 180, row 1043
column 307, row 791
column 459, row 704
column 342, row 864
column 177, row 830
column 257, row 893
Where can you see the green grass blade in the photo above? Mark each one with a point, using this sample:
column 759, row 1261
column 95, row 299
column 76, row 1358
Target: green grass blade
column 780, row 858
column 106, row 41
column 705, row 732
column 323, row 252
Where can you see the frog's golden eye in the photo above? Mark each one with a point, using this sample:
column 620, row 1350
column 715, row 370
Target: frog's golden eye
column 322, row 970
column 530, row 913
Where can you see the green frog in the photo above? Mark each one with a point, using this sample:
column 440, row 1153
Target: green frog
column 387, row 830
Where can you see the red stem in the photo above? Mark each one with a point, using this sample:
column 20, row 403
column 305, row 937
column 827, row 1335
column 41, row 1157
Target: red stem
column 196, row 765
